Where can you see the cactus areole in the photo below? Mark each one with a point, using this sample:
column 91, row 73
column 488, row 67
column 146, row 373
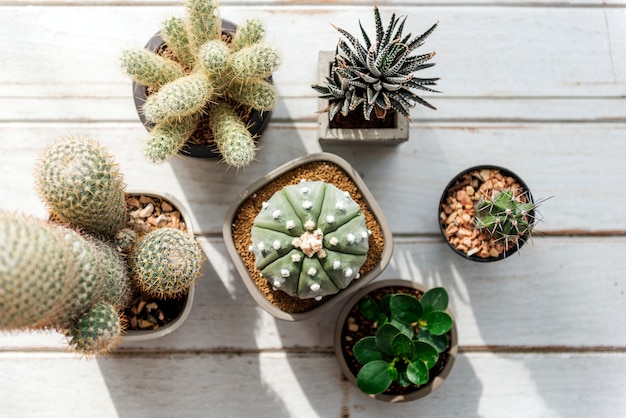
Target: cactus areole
column 310, row 240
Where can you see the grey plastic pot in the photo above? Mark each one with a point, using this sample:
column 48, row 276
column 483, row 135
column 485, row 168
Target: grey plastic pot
column 145, row 335
column 423, row 390
column 523, row 238
column 363, row 136
column 357, row 284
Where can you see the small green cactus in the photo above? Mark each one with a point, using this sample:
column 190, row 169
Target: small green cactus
column 50, row 275
column 505, row 216
column 97, row 331
column 81, row 185
column 378, row 75
column 211, row 71
column 165, row 263
column 231, row 136
column 310, row 240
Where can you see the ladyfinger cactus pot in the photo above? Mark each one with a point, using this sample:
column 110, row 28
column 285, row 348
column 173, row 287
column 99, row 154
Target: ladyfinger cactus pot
column 306, row 236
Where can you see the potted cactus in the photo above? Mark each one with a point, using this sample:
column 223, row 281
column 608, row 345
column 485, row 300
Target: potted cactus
column 70, row 273
column 306, row 236
column 396, row 341
column 487, row 213
column 202, row 86
column 366, row 90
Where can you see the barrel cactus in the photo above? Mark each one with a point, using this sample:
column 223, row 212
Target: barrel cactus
column 82, row 186
column 51, row 276
column 205, row 70
column 310, row 240
column 379, row 74
column 505, row 216
column 166, row 262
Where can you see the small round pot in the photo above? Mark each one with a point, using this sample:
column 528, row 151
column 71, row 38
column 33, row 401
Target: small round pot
column 421, row 391
column 511, row 250
column 256, row 124
column 144, row 335
column 248, row 272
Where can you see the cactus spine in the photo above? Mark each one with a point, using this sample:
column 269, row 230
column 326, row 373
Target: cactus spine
column 81, row 185
column 215, row 70
column 505, row 216
column 310, row 240
column 166, row 262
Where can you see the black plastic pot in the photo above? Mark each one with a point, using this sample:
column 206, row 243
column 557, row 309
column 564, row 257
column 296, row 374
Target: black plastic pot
column 256, row 125
column 511, row 250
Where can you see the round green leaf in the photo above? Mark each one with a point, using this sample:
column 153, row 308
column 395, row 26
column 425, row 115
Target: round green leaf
column 366, row 350
column 426, row 353
column 376, row 377
column 405, row 308
column 440, row 342
column 402, row 346
column 438, row 322
column 436, row 299
column 385, row 336
column 417, row 372
column 369, row 309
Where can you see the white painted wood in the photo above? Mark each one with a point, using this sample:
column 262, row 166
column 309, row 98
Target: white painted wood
column 406, row 180
column 531, row 300
column 481, row 51
column 535, row 86
column 303, row 385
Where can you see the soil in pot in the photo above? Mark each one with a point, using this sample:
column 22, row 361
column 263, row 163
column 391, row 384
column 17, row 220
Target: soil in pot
column 249, row 209
column 457, row 212
column 356, row 120
column 356, row 327
column 147, row 213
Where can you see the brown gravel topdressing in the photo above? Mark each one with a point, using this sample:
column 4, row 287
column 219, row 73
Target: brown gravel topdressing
column 457, row 214
column 244, row 218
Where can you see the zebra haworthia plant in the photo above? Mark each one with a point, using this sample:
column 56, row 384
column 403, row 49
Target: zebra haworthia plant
column 310, row 240
column 378, row 74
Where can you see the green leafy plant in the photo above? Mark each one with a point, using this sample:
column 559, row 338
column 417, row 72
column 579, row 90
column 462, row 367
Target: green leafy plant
column 206, row 73
column 505, row 216
column 379, row 74
column 411, row 333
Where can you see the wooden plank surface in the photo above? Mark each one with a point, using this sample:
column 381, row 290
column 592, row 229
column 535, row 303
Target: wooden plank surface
column 256, row 384
column 536, row 86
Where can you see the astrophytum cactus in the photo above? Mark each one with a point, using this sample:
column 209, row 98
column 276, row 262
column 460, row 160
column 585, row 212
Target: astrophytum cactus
column 310, row 240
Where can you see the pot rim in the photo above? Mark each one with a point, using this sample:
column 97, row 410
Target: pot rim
column 511, row 250
column 344, row 293
column 145, row 335
column 423, row 390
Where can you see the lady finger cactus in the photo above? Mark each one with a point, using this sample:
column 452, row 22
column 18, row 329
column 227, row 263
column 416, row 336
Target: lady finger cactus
column 168, row 138
column 150, row 69
column 82, row 186
column 166, row 262
column 232, row 138
column 310, row 240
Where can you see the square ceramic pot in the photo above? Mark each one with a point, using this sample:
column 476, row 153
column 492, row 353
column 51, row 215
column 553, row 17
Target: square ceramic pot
column 238, row 224
column 340, row 136
column 144, row 335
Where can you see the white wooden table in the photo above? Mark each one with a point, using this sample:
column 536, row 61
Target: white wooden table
column 536, row 86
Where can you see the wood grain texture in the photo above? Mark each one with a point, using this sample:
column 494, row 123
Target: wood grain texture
column 303, row 385
column 536, row 86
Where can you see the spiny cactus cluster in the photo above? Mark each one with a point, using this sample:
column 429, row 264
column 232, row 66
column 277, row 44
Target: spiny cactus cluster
column 310, row 240
column 378, row 75
column 210, row 74
column 505, row 216
column 67, row 274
